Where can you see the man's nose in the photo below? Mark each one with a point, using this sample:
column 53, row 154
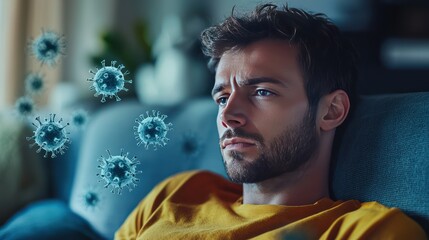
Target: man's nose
column 233, row 115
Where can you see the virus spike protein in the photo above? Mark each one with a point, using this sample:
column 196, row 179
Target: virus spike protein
column 50, row 136
column 108, row 81
column 152, row 130
column 118, row 171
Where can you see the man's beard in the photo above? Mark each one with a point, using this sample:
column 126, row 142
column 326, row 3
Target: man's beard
column 286, row 153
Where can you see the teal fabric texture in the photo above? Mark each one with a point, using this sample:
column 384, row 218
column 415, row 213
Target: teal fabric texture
column 383, row 154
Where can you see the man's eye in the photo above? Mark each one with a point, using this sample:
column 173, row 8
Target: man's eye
column 263, row 92
column 222, row 101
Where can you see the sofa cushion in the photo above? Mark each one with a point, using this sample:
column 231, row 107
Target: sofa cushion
column 193, row 144
column 47, row 220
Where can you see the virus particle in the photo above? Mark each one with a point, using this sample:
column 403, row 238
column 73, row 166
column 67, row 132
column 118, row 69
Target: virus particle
column 24, row 106
column 50, row 136
column 80, row 118
column 48, row 47
column 190, row 144
column 34, row 83
column 152, row 130
column 91, row 198
column 118, row 171
column 108, row 81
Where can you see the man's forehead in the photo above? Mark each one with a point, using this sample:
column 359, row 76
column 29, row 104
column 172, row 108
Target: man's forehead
column 240, row 63
column 267, row 58
column 265, row 62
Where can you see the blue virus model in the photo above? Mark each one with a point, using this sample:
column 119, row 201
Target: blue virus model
column 34, row 83
column 80, row 118
column 118, row 171
column 24, row 106
column 191, row 146
column 108, row 81
column 48, row 47
column 91, row 198
column 152, row 130
column 50, row 136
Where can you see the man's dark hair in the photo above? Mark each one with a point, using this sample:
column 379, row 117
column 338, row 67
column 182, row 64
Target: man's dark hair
column 326, row 58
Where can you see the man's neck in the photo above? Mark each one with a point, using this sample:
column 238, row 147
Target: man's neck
column 304, row 186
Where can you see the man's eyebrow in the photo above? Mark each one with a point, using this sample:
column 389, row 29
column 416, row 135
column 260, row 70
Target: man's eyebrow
column 248, row 82
column 254, row 81
column 218, row 88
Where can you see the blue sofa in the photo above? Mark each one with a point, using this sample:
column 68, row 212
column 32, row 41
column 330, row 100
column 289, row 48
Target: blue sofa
column 382, row 154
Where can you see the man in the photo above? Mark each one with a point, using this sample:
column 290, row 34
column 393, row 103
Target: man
column 284, row 82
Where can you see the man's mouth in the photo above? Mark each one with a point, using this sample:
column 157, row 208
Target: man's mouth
column 237, row 143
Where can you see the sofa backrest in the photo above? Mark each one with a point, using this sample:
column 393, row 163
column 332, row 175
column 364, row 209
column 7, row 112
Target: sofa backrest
column 193, row 144
column 384, row 154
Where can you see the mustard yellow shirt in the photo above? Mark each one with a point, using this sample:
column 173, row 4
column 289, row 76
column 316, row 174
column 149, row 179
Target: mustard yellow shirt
column 203, row 205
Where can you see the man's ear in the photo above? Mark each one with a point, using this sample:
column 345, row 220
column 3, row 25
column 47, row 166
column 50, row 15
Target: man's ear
column 333, row 110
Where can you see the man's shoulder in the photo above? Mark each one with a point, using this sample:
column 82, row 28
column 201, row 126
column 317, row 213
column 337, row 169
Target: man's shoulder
column 378, row 220
column 371, row 208
column 375, row 211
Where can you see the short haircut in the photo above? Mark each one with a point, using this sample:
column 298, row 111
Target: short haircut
column 327, row 59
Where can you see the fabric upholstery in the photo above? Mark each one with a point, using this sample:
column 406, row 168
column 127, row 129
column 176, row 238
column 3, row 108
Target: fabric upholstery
column 47, row 220
column 384, row 154
column 112, row 128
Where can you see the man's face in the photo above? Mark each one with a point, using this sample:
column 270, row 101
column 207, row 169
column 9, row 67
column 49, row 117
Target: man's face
column 263, row 121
